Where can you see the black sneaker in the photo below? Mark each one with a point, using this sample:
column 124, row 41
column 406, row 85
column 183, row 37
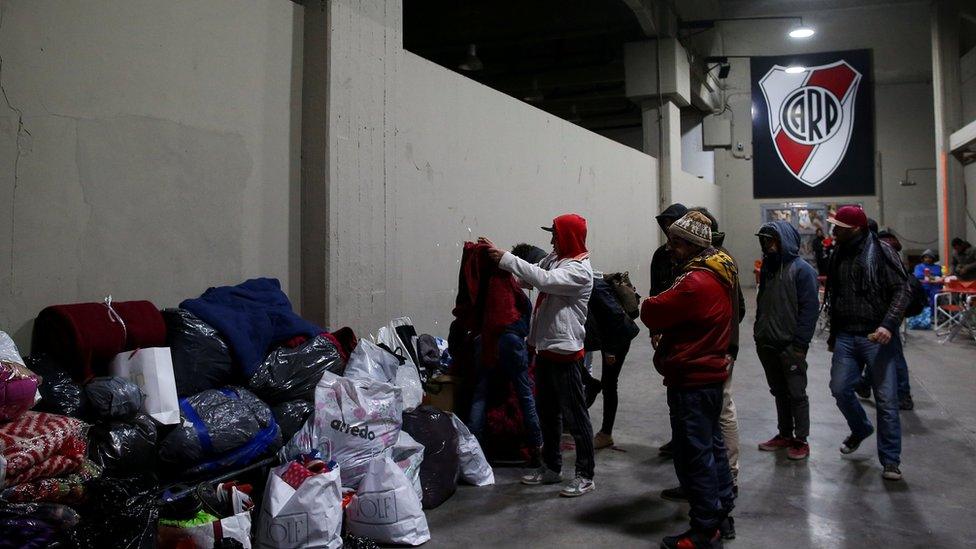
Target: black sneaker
column 674, row 494
column 727, row 528
column 667, row 450
column 906, row 403
column 891, row 472
column 852, row 442
column 693, row 539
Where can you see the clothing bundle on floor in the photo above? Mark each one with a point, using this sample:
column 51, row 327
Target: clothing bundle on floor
column 118, row 438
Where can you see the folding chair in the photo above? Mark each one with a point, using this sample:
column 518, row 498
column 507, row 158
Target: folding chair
column 955, row 310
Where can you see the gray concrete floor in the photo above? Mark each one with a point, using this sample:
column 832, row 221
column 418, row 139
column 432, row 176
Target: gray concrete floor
column 829, row 501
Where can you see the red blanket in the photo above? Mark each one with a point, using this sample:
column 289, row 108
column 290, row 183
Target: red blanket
column 487, row 299
column 39, row 445
column 87, row 336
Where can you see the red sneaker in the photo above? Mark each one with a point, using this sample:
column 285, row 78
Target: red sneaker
column 798, row 450
column 776, row 443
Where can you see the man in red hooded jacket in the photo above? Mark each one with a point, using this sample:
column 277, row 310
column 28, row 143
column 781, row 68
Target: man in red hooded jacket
column 692, row 324
column 564, row 279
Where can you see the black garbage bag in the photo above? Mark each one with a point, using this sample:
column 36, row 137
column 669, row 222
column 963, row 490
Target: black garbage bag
column 124, row 448
column 201, row 357
column 60, row 394
column 221, row 428
column 439, row 471
column 113, row 397
column 119, row 513
column 34, row 525
column 291, row 416
column 292, row 373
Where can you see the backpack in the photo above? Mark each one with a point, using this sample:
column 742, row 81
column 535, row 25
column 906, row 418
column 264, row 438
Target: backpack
column 625, row 292
column 919, row 299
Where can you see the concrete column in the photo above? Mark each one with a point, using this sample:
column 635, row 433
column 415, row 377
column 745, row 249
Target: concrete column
column 315, row 163
column 947, row 88
column 663, row 121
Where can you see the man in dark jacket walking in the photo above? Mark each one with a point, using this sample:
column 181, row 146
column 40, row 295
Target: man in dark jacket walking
column 787, row 307
column 692, row 325
column 868, row 292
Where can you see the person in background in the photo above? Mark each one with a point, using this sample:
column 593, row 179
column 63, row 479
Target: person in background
column 663, row 269
column 820, row 252
column 890, row 239
column 787, row 307
column 692, row 324
column 929, row 273
column 662, row 264
column 963, row 259
column 610, row 331
column 564, row 279
column 868, row 292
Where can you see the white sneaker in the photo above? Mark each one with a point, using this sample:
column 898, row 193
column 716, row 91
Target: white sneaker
column 542, row 475
column 577, row 487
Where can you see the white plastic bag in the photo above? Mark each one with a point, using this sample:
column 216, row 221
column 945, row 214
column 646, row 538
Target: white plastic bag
column 368, row 361
column 409, row 454
column 354, row 421
column 474, row 466
column 386, row 508
column 310, row 516
column 8, row 350
column 236, row 527
column 152, row 370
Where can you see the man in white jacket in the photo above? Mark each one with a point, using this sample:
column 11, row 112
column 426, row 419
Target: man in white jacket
column 564, row 279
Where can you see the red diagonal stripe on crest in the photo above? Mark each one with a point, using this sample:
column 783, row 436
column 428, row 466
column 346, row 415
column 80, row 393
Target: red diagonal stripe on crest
column 836, row 79
column 795, row 154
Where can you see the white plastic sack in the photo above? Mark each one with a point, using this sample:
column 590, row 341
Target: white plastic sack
column 474, row 466
column 386, row 508
column 409, row 454
column 388, row 335
column 152, row 370
column 8, row 350
column 368, row 361
column 308, row 517
column 354, row 421
column 236, row 527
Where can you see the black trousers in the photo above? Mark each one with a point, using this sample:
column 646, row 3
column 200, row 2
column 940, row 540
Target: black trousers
column 559, row 398
column 701, row 460
column 786, row 374
column 611, row 373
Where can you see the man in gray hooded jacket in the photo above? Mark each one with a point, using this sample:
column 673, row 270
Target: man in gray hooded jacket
column 787, row 307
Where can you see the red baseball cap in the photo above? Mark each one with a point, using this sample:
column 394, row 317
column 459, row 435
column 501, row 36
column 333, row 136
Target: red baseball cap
column 849, row 217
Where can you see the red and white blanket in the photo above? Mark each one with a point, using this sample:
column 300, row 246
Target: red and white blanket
column 39, row 445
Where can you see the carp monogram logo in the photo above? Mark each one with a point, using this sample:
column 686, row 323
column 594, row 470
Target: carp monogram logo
column 811, row 117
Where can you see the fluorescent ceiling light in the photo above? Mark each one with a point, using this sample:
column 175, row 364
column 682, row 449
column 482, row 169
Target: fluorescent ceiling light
column 801, row 32
column 795, row 70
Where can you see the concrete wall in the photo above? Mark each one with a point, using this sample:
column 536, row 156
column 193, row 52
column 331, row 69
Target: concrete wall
column 158, row 152
column 969, row 115
column 506, row 169
column 904, row 127
column 422, row 159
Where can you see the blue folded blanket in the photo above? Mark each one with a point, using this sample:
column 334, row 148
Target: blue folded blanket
column 253, row 317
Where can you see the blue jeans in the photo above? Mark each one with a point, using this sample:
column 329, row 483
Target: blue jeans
column 513, row 362
column 901, row 370
column 850, row 352
column 701, row 460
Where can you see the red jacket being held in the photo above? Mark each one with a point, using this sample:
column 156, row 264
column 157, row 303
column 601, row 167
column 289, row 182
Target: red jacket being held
column 694, row 319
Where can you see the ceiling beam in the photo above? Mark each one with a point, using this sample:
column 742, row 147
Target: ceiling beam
column 646, row 13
